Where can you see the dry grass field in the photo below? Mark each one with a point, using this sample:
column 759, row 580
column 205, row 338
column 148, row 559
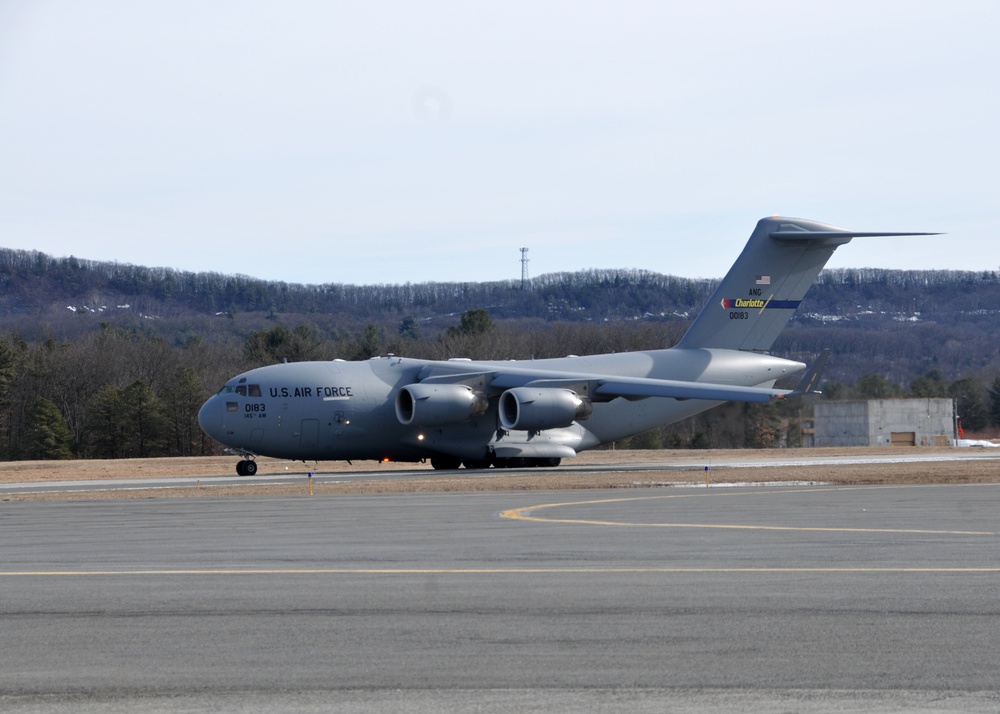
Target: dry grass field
column 937, row 465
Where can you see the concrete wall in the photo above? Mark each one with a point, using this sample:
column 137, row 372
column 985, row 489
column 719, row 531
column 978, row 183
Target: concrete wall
column 873, row 422
column 841, row 423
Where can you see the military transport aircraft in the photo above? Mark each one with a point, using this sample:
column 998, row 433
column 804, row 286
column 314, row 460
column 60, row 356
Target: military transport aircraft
column 533, row 412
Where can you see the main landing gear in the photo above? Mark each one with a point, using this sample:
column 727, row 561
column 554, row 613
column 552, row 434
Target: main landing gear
column 246, row 467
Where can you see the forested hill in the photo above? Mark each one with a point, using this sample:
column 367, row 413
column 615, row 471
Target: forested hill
column 33, row 283
column 36, row 284
column 898, row 323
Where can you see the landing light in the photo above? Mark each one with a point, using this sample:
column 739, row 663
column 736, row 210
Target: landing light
column 420, row 437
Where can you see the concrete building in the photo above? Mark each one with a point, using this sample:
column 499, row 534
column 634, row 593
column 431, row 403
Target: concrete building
column 885, row 422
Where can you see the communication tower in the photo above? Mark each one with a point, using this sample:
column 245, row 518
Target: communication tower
column 524, row 268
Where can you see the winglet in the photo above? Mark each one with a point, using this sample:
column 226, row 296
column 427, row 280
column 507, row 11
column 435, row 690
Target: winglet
column 810, row 380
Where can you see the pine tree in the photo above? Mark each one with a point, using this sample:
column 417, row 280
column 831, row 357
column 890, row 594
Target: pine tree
column 146, row 426
column 181, row 400
column 995, row 403
column 968, row 395
column 106, row 424
column 931, row 385
column 48, row 435
column 875, row 386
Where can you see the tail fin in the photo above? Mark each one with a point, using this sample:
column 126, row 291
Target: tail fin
column 767, row 282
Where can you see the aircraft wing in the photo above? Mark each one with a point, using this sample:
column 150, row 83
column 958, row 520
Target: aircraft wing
column 635, row 387
column 606, row 387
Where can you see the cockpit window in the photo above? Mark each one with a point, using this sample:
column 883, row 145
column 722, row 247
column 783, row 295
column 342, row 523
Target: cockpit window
column 252, row 390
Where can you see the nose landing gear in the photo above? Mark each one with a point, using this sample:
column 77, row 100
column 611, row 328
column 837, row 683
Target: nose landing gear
column 246, row 467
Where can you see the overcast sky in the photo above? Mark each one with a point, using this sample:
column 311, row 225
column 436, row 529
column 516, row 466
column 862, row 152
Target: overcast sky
column 384, row 142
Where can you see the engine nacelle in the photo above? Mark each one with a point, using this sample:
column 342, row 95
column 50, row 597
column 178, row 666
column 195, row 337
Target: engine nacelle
column 438, row 404
column 538, row 408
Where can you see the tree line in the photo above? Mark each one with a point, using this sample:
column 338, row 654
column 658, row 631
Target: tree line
column 120, row 393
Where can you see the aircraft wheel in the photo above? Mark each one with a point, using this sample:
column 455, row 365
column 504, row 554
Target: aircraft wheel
column 445, row 462
column 246, row 467
column 477, row 464
column 548, row 463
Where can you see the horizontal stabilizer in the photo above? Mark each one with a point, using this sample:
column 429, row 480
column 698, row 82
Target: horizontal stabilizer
column 808, row 235
column 765, row 286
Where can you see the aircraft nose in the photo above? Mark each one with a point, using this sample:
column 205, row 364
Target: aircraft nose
column 210, row 417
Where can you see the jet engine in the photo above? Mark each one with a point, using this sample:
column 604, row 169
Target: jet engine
column 535, row 409
column 438, row 404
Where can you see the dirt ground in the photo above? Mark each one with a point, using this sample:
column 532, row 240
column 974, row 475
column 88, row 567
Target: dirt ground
column 679, row 466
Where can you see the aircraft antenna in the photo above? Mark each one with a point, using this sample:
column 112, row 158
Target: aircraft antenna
column 524, row 268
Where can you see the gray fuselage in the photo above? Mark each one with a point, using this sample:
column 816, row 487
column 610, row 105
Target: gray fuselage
column 346, row 410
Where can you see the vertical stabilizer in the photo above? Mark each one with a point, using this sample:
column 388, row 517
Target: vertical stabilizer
column 764, row 287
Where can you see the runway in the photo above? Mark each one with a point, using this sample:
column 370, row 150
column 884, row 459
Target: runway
column 774, row 599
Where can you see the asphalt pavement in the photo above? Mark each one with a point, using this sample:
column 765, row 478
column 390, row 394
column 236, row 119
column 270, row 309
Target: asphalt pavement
column 771, row 598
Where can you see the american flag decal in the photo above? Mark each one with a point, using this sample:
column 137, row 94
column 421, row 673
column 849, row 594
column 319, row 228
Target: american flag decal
column 763, row 279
